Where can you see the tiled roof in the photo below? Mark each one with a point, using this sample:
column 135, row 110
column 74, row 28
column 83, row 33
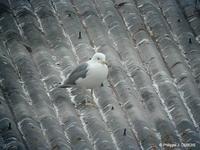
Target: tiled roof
column 151, row 99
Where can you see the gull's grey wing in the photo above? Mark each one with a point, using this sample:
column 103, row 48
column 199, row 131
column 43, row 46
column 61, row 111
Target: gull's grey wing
column 79, row 72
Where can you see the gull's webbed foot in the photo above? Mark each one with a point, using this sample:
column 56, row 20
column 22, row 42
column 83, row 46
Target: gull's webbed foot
column 90, row 103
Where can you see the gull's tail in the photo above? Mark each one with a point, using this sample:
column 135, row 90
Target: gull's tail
column 64, row 86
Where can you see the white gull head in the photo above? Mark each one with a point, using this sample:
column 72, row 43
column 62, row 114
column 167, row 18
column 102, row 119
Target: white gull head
column 99, row 57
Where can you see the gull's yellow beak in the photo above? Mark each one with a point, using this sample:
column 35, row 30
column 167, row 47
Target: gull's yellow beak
column 105, row 62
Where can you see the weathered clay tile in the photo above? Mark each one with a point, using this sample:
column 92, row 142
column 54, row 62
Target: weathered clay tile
column 10, row 136
column 183, row 33
column 24, row 113
column 191, row 11
column 152, row 94
column 143, row 82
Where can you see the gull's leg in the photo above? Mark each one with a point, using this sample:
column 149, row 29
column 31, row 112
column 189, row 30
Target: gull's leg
column 91, row 102
column 92, row 92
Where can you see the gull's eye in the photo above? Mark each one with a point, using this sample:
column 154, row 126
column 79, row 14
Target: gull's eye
column 98, row 58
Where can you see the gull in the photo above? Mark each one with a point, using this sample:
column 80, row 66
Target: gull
column 88, row 75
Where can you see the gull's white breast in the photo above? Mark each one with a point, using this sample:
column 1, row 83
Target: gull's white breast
column 97, row 73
